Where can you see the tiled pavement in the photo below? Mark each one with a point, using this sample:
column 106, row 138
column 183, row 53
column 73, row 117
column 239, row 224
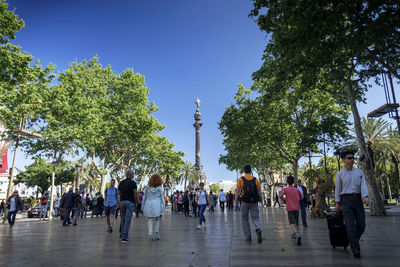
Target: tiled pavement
column 220, row 244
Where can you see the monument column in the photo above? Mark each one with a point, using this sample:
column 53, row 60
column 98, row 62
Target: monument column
column 197, row 125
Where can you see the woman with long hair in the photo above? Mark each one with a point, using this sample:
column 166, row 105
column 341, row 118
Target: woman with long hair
column 153, row 205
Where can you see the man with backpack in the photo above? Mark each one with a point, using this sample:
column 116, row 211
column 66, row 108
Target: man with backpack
column 110, row 204
column 249, row 189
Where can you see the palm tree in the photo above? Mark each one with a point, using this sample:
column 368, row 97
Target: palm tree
column 379, row 139
column 90, row 177
column 189, row 173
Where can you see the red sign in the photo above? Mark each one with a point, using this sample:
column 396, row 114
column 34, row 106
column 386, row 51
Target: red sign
column 3, row 163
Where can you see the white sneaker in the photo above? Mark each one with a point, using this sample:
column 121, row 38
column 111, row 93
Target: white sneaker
column 199, row 226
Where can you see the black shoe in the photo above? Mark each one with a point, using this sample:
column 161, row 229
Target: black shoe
column 65, row 225
column 305, row 225
column 357, row 254
column 75, row 224
column 110, row 230
column 259, row 236
column 298, row 240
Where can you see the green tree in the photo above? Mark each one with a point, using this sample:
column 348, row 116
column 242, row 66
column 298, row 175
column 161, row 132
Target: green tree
column 37, row 174
column 379, row 139
column 336, row 46
column 215, row 188
column 284, row 125
column 189, row 173
column 22, row 80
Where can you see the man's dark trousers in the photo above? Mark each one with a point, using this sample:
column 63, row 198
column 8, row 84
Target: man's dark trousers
column 67, row 218
column 303, row 211
column 354, row 218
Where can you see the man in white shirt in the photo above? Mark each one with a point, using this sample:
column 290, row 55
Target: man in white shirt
column 222, row 198
column 350, row 193
column 57, row 201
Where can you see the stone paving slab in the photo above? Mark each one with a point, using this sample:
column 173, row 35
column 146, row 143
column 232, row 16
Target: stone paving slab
column 221, row 243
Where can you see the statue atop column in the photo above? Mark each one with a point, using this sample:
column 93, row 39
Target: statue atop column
column 197, row 125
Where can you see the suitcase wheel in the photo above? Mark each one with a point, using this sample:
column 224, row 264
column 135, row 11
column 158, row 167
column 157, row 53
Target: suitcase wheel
column 345, row 248
column 334, row 246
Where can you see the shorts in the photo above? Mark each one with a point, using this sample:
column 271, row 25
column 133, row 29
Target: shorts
column 110, row 210
column 293, row 216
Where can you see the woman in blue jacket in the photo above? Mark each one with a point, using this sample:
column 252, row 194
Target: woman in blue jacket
column 153, row 205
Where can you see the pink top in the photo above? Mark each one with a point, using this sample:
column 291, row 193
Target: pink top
column 293, row 196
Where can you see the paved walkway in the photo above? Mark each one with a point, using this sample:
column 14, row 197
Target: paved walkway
column 220, row 244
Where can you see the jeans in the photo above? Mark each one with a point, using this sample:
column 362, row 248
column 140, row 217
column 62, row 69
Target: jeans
column 127, row 209
column 11, row 217
column 156, row 222
column 202, row 209
column 56, row 211
column 222, row 205
column 303, row 212
column 43, row 212
column 253, row 209
column 67, row 217
column 76, row 215
column 354, row 218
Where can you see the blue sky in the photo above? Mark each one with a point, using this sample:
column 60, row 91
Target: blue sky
column 184, row 48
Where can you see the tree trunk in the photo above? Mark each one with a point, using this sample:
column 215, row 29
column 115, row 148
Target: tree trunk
column 53, row 175
column 396, row 169
column 103, row 183
column 184, row 188
column 295, row 166
column 320, row 200
column 376, row 203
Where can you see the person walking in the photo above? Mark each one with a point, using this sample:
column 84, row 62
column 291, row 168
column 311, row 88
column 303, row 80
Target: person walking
column 186, row 204
column 277, row 200
column 303, row 202
column 249, row 189
column 138, row 209
column 194, row 204
column 351, row 192
column 127, row 189
column 57, row 201
column 293, row 195
column 2, row 208
column 94, row 205
column 43, row 206
column 78, row 206
column 202, row 200
column 222, row 199
column 67, row 203
column 153, row 205
column 14, row 204
column 212, row 203
column 100, row 205
column 230, row 201
column 110, row 204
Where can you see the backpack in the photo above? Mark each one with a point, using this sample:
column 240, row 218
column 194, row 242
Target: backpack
column 250, row 192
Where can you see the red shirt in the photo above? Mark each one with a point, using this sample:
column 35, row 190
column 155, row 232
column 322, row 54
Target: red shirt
column 293, row 196
column 43, row 201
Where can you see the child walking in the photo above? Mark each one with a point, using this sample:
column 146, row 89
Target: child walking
column 153, row 205
column 293, row 197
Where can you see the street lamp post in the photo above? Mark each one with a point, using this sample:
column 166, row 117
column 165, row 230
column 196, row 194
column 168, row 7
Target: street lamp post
column 19, row 132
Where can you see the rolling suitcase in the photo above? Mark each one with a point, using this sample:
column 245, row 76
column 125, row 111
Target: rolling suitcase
column 337, row 230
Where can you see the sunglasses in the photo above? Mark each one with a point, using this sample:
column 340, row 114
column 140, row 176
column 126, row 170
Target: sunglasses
column 350, row 158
